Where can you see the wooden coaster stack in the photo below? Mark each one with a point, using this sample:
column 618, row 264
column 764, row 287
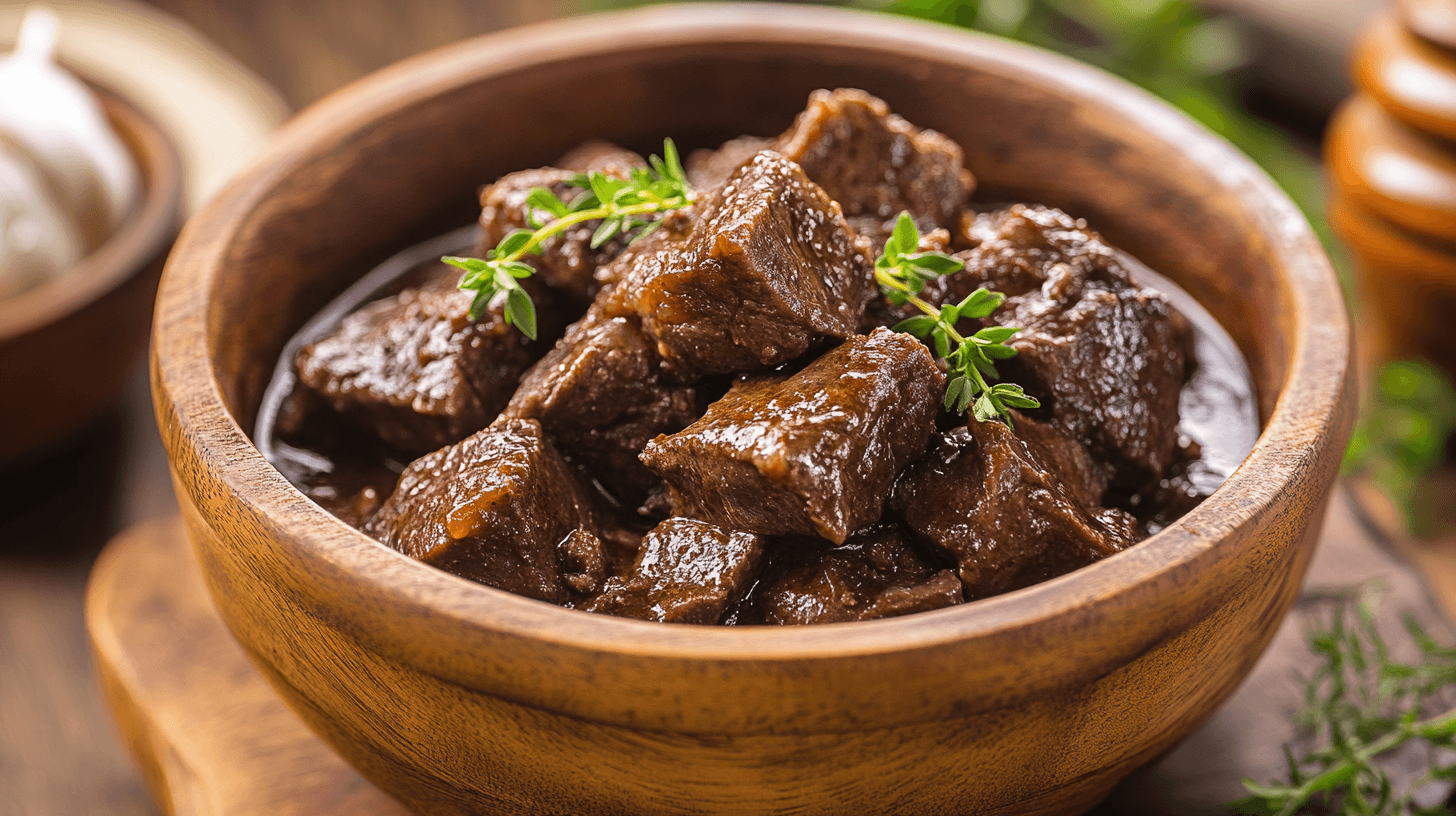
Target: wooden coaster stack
column 1391, row 151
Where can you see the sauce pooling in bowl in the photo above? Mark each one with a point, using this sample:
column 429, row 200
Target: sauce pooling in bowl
column 729, row 432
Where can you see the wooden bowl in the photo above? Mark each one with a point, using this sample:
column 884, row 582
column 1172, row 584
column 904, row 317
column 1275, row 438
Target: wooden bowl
column 458, row 698
column 67, row 346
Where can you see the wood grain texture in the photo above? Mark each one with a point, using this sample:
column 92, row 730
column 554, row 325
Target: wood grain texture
column 211, row 737
column 221, row 743
column 1394, row 194
column 458, row 698
column 308, row 49
column 69, row 345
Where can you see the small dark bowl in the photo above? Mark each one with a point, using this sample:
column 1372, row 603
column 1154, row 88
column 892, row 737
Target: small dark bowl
column 67, row 346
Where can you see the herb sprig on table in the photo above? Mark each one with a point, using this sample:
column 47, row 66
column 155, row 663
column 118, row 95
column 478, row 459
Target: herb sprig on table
column 1364, row 705
column 620, row 204
column 902, row 272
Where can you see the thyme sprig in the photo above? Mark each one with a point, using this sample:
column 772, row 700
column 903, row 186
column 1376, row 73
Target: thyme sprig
column 1365, row 705
column 619, row 204
column 902, row 271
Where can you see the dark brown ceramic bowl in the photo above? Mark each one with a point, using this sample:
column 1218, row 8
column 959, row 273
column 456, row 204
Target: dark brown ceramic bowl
column 67, row 346
column 458, row 698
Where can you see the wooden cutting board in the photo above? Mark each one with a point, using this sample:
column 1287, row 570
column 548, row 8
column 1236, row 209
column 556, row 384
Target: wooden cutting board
column 213, row 740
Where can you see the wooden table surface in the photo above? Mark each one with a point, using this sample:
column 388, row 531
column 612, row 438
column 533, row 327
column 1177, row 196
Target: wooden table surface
column 58, row 750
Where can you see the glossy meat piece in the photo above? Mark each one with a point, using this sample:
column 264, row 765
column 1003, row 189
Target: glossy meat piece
column 1106, row 357
column 875, row 164
column 985, row 498
column 413, row 369
column 810, row 454
column 495, row 508
column 875, row 574
column 567, row 262
column 687, row 572
column 600, row 396
column 768, row 270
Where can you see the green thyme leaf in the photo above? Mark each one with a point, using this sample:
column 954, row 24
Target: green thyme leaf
column 520, row 312
column 902, row 273
column 621, row 206
column 1365, row 707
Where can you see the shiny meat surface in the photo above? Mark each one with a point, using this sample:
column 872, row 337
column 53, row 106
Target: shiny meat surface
column 567, row 262
column 415, row 371
column 768, row 270
column 687, row 572
column 496, row 508
column 875, row 574
column 875, row 164
column 1106, row 357
column 989, row 500
column 810, row 454
column 600, row 396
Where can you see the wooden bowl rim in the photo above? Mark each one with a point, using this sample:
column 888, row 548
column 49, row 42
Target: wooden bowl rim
column 149, row 225
column 1310, row 403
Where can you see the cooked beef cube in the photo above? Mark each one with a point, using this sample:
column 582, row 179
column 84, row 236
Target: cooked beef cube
column 875, row 574
column 494, row 509
column 687, row 572
column 876, row 164
column 768, row 270
column 813, row 453
column 415, row 371
column 708, row 169
column 1106, row 357
column 567, row 262
column 1084, row 477
column 600, row 397
column 987, row 499
column 584, row 561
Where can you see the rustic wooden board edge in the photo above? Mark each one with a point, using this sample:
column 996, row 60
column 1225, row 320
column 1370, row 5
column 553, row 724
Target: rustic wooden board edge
column 157, row 639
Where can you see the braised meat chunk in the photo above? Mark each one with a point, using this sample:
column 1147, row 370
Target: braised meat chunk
column 768, row 270
column 415, row 371
column 1106, row 357
column 730, row 430
column 810, row 454
column 987, row 499
column 600, row 396
column 497, row 508
column 875, row 164
column 688, row 571
column 567, row 263
column 875, row 574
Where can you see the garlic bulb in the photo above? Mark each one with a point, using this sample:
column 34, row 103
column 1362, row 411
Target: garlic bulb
column 54, row 131
column 37, row 239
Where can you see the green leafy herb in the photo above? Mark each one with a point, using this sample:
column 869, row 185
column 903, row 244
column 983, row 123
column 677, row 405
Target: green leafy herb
column 1362, row 705
column 1402, row 436
column 621, row 205
column 902, row 272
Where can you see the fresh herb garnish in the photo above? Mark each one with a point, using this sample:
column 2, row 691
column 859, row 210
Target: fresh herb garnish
column 1364, row 705
column 902, row 272
column 620, row 205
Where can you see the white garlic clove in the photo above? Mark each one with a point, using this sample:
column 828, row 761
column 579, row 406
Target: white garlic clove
column 37, row 239
column 54, row 120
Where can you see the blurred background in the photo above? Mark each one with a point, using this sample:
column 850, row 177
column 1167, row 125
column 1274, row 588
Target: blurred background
column 1272, row 76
